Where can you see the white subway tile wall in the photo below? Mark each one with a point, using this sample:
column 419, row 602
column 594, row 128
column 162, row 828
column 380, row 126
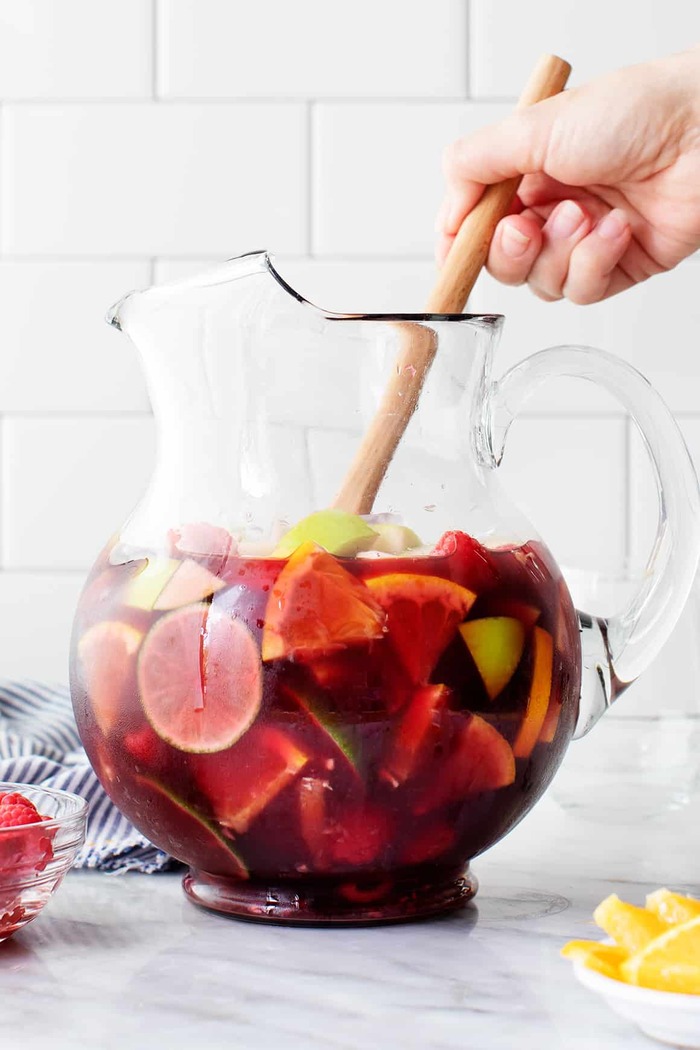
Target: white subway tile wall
column 145, row 139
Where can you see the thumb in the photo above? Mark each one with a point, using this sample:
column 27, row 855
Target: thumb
column 517, row 145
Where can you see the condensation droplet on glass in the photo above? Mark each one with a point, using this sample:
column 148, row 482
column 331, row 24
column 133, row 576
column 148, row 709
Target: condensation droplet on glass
column 410, row 370
column 430, row 507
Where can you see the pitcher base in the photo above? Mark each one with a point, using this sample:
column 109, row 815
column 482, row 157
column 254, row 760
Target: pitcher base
column 331, row 902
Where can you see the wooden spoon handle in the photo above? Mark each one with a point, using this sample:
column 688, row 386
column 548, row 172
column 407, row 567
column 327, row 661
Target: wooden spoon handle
column 471, row 245
column 419, row 344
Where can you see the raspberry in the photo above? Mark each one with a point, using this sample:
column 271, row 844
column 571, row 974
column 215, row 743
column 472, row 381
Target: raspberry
column 13, row 816
column 22, row 850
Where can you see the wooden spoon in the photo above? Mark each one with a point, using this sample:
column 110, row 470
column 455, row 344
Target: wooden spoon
column 419, row 344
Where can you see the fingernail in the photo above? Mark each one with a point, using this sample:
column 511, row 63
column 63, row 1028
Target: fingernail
column 513, row 241
column 613, row 226
column 565, row 219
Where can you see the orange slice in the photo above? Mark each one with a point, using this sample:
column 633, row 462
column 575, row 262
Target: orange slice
column 540, row 689
column 669, row 963
column 200, row 678
column 316, row 607
column 630, row 927
column 106, row 658
column 422, row 616
column 604, row 958
column 672, row 908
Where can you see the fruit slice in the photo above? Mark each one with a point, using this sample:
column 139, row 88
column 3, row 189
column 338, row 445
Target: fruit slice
column 669, row 963
column 142, row 590
column 480, row 760
column 413, row 732
column 165, row 583
column 191, row 582
column 336, row 531
column 242, row 782
column 551, row 720
column 394, row 539
column 496, row 644
column 105, row 653
column 200, row 678
column 540, row 690
column 317, row 607
column 630, row 927
column 502, row 606
column 671, row 907
column 360, row 836
column 429, row 843
column 324, row 718
column 313, row 819
column 422, row 616
column 177, row 828
column 604, row 958
column 469, row 560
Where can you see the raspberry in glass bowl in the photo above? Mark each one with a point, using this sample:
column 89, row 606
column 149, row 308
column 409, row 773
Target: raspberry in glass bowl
column 41, row 830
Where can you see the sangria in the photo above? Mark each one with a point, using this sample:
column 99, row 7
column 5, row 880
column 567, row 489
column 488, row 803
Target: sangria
column 326, row 731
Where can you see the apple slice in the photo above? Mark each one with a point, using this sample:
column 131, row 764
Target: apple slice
column 540, row 691
column 412, row 732
column 394, row 539
column 336, row 531
column 166, row 583
column 240, row 783
column 191, row 582
column 496, row 644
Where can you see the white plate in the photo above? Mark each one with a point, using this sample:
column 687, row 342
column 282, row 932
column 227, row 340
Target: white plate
column 670, row 1017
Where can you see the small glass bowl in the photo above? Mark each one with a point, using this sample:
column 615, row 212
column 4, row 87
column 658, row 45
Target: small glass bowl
column 35, row 857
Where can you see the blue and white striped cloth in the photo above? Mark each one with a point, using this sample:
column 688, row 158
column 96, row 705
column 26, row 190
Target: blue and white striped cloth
column 39, row 744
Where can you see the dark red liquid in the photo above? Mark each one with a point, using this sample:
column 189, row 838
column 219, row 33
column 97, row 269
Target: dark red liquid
column 371, row 772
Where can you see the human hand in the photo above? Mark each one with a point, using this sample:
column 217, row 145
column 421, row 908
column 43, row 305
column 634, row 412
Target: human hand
column 611, row 187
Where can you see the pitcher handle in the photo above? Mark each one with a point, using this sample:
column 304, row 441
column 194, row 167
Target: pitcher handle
column 616, row 650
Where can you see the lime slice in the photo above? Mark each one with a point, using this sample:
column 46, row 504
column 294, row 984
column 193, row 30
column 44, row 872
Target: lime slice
column 106, row 662
column 200, row 678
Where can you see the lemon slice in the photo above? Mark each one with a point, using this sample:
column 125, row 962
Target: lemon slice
column 669, row 963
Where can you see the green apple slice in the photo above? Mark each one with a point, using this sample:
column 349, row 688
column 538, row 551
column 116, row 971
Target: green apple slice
column 167, row 583
column 496, row 644
column 335, row 530
column 395, row 539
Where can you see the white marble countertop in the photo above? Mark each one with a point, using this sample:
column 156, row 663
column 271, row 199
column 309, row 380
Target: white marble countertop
column 126, row 962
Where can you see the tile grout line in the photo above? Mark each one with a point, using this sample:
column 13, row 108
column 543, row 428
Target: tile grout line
column 154, row 51
column 310, row 177
column 467, row 33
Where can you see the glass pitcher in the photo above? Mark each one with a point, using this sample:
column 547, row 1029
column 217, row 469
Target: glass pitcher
column 326, row 714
